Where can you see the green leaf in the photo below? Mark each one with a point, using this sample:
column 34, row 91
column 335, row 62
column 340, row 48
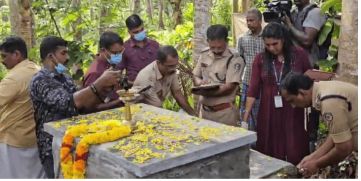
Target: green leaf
column 71, row 17
column 336, row 4
column 326, row 29
column 327, row 65
column 336, row 31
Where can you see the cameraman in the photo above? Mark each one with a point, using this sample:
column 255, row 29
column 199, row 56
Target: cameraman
column 306, row 22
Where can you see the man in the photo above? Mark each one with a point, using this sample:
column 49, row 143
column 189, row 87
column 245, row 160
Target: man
column 161, row 76
column 307, row 22
column 54, row 94
column 110, row 55
column 218, row 65
column 249, row 45
column 337, row 102
column 139, row 50
column 19, row 157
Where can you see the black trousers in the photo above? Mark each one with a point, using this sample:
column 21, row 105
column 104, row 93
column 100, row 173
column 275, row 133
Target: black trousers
column 48, row 165
column 312, row 127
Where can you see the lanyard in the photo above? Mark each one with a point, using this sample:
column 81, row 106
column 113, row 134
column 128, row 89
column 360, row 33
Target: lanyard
column 278, row 79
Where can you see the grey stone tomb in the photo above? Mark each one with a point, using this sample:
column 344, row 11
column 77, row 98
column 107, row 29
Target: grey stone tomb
column 186, row 147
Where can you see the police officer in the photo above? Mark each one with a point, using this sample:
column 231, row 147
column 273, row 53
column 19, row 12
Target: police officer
column 218, row 65
column 161, row 76
column 337, row 103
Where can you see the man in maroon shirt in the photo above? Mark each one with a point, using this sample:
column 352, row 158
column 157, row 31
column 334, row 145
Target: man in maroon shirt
column 110, row 55
column 139, row 50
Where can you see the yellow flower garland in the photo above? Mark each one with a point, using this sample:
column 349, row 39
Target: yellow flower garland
column 105, row 131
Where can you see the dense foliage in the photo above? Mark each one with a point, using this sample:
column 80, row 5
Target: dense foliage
column 82, row 23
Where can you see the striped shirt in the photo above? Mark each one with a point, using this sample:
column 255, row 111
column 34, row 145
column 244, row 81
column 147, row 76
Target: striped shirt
column 249, row 46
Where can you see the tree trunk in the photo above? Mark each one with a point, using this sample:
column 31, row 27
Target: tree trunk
column 136, row 7
column 103, row 14
column 235, row 6
column 347, row 55
column 177, row 12
column 150, row 10
column 22, row 22
column 202, row 19
column 78, row 32
column 161, row 7
column 245, row 5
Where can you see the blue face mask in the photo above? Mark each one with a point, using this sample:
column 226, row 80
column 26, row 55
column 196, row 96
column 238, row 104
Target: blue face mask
column 140, row 36
column 60, row 68
column 115, row 58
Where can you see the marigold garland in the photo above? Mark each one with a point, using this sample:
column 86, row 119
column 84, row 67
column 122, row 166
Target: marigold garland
column 105, row 131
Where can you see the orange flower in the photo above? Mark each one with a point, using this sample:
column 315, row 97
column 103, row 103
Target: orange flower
column 64, row 152
column 68, row 139
column 108, row 131
column 81, row 149
column 79, row 165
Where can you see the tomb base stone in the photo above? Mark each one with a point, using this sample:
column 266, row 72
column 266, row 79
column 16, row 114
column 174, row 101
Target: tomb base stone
column 211, row 150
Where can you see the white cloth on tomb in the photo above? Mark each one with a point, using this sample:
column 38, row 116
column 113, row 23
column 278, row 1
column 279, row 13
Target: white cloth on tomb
column 20, row 162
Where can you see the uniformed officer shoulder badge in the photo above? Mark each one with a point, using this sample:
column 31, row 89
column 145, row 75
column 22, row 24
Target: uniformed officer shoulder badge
column 237, row 66
column 327, row 116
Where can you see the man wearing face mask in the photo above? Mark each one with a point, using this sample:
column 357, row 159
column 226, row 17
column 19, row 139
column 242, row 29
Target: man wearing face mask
column 218, row 65
column 110, row 55
column 55, row 97
column 139, row 49
column 161, row 76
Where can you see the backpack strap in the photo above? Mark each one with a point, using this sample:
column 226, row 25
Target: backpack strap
column 338, row 97
column 307, row 10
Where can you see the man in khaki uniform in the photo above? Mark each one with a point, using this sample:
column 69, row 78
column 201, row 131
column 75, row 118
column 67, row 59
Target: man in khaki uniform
column 161, row 76
column 218, row 65
column 337, row 102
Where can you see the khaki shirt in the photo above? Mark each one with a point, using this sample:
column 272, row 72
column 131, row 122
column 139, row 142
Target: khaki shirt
column 335, row 111
column 17, row 125
column 216, row 71
column 161, row 85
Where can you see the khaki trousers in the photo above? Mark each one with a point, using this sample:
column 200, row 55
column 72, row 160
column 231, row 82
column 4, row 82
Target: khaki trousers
column 229, row 116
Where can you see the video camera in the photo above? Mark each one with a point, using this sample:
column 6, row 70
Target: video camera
column 277, row 9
